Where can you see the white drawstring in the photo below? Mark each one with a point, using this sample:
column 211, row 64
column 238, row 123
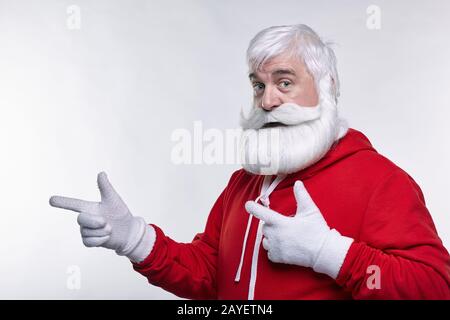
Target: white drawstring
column 254, row 266
column 266, row 189
column 238, row 273
column 264, row 197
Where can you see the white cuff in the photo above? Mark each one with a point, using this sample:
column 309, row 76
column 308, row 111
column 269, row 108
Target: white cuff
column 145, row 245
column 332, row 254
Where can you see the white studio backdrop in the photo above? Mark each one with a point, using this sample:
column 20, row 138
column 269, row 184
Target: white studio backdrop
column 87, row 86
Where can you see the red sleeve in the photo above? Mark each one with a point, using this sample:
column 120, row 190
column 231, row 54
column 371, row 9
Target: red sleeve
column 398, row 239
column 187, row 270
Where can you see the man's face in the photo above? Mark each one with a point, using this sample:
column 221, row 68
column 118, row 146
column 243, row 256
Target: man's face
column 288, row 129
column 281, row 80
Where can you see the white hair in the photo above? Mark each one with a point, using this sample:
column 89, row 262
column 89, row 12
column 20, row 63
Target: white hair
column 297, row 40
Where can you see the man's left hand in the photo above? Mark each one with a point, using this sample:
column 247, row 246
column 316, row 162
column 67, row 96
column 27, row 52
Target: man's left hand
column 305, row 239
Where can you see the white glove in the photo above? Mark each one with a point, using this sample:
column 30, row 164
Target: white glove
column 109, row 223
column 304, row 239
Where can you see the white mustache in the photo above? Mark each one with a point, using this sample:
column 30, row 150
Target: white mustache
column 287, row 114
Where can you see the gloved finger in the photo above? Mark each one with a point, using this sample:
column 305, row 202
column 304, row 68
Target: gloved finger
column 73, row 204
column 270, row 256
column 263, row 213
column 94, row 241
column 305, row 204
column 100, row 232
column 105, row 187
column 268, row 230
column 265, row 243
column 91, row 221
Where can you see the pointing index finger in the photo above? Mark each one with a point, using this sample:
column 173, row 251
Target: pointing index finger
column 73, row 204
column 262, row 213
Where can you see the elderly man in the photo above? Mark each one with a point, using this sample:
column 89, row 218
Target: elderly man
column 327, row 217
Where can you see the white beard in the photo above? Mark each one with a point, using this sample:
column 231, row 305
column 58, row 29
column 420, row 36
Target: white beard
column 304, row 138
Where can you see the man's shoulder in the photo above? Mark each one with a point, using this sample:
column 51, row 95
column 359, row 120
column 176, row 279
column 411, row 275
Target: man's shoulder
column 374, row 160
column 240, row 175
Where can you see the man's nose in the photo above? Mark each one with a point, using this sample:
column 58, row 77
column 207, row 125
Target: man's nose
column 270, row 100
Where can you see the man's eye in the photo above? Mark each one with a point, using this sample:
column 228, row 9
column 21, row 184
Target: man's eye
column 285, row 84
column 258, row 87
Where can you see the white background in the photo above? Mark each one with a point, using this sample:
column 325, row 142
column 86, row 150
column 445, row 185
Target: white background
column 109, row 95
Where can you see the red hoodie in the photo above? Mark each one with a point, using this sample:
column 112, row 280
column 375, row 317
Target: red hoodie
column 360, row 193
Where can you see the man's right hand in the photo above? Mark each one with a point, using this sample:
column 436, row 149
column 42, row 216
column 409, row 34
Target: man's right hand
column 109, row 223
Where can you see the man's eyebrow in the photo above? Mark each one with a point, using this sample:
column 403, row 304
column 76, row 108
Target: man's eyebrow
column 277, row 72
column 283, row 71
